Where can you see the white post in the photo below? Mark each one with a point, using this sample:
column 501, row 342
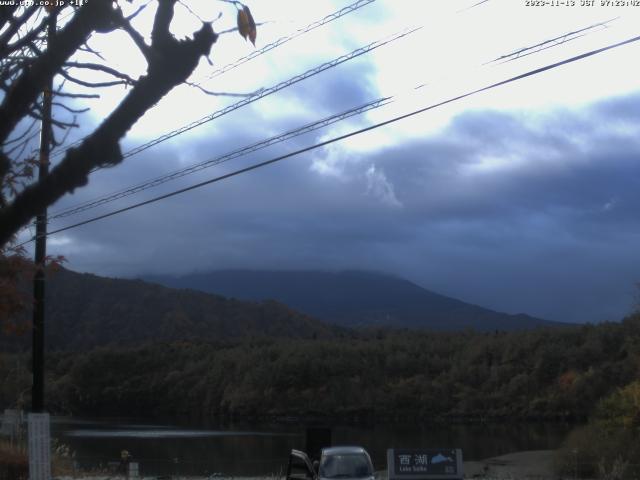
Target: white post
column 39, row 447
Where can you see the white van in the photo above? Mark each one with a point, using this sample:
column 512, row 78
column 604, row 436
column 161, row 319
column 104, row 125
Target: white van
column 350, row 463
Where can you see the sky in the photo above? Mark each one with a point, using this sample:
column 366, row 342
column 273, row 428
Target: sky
column 522, row 199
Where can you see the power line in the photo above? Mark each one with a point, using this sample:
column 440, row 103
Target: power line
column 90, row 204
column 256, row 96
column 268, row 91
column 262, row 93
column 553, row 42
column 477, row 4
column 350, row 134
column 281, row 41
column 226, row 157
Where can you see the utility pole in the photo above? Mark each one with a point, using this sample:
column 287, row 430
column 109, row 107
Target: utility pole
column 37, row 392
column 38, row 421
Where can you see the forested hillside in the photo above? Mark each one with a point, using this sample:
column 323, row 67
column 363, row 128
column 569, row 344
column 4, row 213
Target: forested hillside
column 84, row 311
column 550, row 373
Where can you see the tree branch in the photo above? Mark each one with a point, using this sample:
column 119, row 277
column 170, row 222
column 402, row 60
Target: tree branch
column 220, row 94
column 54, row 122
column 77, row 95
column 14, row 26
column 137, row 39
column 172, row 63
column 137, row 12
column 69, row 109
column 21, row 136
column 86, row 48
column 164, row 14
column 84, row 83
column 6, row 14
column 32, row 81
column 101, row 68
column 7, row 49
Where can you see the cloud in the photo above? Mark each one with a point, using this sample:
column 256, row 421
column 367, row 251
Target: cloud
column 379, row 187
column 516, row 211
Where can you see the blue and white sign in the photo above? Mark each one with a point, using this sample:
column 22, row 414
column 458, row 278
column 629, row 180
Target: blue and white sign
column 415, row 464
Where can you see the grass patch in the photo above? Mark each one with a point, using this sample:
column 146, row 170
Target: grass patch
column 14, row 462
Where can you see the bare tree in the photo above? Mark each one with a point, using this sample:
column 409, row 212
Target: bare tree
column 34, row 53
column 28, row 62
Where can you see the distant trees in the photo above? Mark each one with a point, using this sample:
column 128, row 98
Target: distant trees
column 13, row 300
column 398, row 375
column 609, row 445
column 15, row 381
column 622, row 407
column 30, row 61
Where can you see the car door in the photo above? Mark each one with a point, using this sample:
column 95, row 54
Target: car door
column 299, row 467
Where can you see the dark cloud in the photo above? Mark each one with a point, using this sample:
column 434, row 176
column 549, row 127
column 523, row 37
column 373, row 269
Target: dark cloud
column 619, row 109
column 515, row 212
column 344, row 86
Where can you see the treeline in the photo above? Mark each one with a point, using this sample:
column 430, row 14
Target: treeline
column 554, row 373
column 85, row 311
column 383, row 375
column 608, row 446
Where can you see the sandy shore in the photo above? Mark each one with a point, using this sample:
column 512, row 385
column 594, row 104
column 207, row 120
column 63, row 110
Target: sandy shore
column 534, row 464
column 529, row 465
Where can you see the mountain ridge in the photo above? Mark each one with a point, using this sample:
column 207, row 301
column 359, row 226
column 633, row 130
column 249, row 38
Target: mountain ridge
column 85, row 310
column 353, row 298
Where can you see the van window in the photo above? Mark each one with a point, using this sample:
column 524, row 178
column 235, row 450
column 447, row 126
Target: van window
column 345, row 466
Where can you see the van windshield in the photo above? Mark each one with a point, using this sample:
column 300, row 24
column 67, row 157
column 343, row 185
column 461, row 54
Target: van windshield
column 345, row 466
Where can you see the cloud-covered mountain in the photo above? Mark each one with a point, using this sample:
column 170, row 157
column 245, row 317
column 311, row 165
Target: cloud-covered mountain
column 353, row 299
column 516, row 210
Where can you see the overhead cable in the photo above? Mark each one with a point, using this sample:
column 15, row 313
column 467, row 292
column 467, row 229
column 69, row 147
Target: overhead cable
column 477, row 4
column 271, row 90
column 226, row 157
column 281, row 41
column 350, row 134
column 93, row 203
column 554, row 42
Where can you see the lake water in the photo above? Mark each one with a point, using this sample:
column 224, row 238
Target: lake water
column 163, row 448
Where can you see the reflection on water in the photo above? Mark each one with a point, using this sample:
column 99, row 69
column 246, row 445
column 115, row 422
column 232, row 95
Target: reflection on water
column 171, row 450
column 160, row 433
column 263, row 450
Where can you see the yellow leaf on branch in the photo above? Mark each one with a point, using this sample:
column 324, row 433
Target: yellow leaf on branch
column 247, row 25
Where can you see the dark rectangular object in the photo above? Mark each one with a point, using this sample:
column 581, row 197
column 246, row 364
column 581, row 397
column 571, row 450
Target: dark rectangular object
column 418, row 464
column 317, row 438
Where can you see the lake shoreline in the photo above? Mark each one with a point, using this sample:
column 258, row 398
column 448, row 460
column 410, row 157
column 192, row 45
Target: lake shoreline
column 529, row 464
column 517, row 465
column 346, row 421
column 163, row 449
